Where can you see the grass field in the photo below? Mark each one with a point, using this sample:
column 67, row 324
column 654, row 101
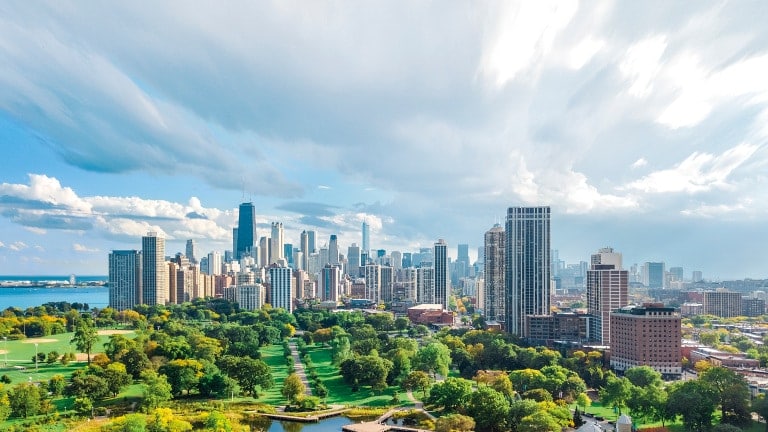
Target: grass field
column 20, row 367
column 273, row 357
column 340, row 392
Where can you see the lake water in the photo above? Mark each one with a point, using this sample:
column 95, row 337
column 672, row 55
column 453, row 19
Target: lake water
column 332, row 424
column 25, row 297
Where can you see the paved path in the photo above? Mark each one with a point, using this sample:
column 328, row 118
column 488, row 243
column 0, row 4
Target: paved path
column 298, row 366
column 417, row 403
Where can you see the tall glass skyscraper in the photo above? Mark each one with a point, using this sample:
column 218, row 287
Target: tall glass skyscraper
column 246, row 230
column 366, row 237
column 528, row 266
column 441, row 273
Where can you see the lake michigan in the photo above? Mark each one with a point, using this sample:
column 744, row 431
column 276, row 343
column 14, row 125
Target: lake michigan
column 57, row 289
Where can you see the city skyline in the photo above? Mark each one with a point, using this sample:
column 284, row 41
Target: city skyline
column 428, row 124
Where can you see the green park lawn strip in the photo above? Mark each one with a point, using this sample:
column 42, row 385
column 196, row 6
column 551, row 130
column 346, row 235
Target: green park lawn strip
column 339, row 392
column 20, row 367
column 272, row 355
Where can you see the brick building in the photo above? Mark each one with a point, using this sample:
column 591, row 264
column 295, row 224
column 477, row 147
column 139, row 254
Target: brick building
column 646, row 335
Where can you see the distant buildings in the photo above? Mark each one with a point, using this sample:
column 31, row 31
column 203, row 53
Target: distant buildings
column 528, row 266
column 724, row 304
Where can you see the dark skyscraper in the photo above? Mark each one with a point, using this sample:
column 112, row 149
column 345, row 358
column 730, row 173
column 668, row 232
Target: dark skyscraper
column 246, row 230
column 463, row 257
column 528, row 265
column 441, row 273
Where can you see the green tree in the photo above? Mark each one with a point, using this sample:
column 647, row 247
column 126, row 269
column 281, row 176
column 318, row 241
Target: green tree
column 83, row 406
column 85, row 337
column 584, row 401
column 183, row 374
column 368, row 370
column 248, row 372
column 489, row 409
column 644, row 376
column 25, row 400
column 56, row 385
column 454, row 423
column 216, row 383
column 116, row 377
column 135, row 361
column 540, row 421
column 616, row 392
column 418, row 380
column 695, row 401
column 52, row 357
column 732, row 393
column 433, row 358
column 218, row 422
column 87, row 385
column 155, row 390
column 293, row 387
column 760, row 406
column 5, row 407
column 451, row 394
column 518, row 410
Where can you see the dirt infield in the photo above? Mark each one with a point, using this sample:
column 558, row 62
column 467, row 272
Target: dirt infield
column 113, row 332
column 32, row 341
column 3, row 352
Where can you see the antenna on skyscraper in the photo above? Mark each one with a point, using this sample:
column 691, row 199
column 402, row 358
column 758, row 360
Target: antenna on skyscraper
column 242, row 183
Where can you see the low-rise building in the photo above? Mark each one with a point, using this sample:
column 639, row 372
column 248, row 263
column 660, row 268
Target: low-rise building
column 430, row 314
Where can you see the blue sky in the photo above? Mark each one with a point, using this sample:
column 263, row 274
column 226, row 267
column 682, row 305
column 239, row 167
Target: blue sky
column 643, row 125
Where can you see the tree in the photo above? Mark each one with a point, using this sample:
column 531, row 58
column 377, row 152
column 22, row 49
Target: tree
column 489, row 408
column 518, row 410
column 116, row 377
column 83, row 406
column 183, row 374
column 760, row 406
column 216, row 383
column 56, row 384
column 732, row 393
column 370, row 370
column 451, row 394
column 644, row 376
column 85, row 337
column 418, row 380
column 25, row 400
column 540, row 421
column 218, row 422
column 87, row 385
column 293, row 387
column 584, row 401
column 163, row 420
column 454, row 423
column 616, row 392
column 155, row 390
column 402, row 323
column 434, row 358
column 135, row 361
column 52, row 357
column 248, row 372
column 5, row 407
column 695, row 401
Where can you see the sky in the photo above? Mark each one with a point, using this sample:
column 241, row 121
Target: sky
column 642, row 124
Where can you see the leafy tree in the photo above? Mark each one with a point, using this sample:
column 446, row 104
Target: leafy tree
column 732, row 392
column 85, row 337
column 83, row 406
column 52, row 357
column 401, row 365
column 433, row 358
column 135, row 361
column 155, row 390
column 616, row 392
column 527, row 379
column 518, row 410
column 56, row 384
column 216, row 383
column 163, row 420
column 218, row 422
column 454, row 423
column 418, row 380
column 451, row 394
column 760, row 406
column 538, row 394
column 489, row 408
column 584, row 401
column 183, row 374
column 401, row 324
column 25, row 400
column 116, row 377
column 87, row 385
column 5, row 407
column 129, row 423
column 248, row 372
column 540, row 421
column 644, row 376
column 695, row 401
column 293, row 387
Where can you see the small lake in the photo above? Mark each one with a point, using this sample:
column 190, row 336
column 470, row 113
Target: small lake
column 332, row 424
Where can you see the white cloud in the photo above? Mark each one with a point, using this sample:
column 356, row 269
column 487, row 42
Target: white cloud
column 639, row 163
column 77, row 247
column 699, row 172
column 17, row 246
column 642, row 63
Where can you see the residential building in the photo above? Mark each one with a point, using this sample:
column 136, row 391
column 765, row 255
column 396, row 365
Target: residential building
column 124, row 279
column 442, row 284
column 281, row 287
column 607, row 290
column 276, row 243
column 752, row 307
column 648, row 335
column 721, row 303
column 250, row 296
column 494, row 298
column 154, row 280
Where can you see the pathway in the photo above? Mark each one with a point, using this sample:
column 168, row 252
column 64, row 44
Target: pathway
column 298, row 366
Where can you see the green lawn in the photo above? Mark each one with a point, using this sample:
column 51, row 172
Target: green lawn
column 20, row 367
column 340, row 392
column 273, row 357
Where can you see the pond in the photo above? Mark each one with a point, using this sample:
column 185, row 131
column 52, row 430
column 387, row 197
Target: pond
column 332, row 424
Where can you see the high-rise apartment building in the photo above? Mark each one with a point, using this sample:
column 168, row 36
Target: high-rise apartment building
column 397, row 260
column 607, row 290
column 425, row 284
column 281, row 287
column 373, row 283
column 214, row 263
column 724, row 304
column 366, row 237
column 494, row 289
column 154, row 279
column 442, row 284
column 124, row 279
column 276, row 243
column 528, row 265
column 250, row 296
column 312, row 241
column 246, row 230
column 330, row 277
column 646, row 336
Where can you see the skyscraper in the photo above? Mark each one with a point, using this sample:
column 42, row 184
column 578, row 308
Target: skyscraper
column 281, row 287
column 154, row 270
column 653, row 274
column 312, row 241
column 528, row 265
column 191, row 251
column 246, row 230
column 330, row 276
column 304, row 238
column 494, row 274
column 463, row 257
column 214, row 263
column 366, row 237
column 277, row 241
column 441, row 273
column 124, row 279
column 607, row 286
column 333, row 250
column 353, row 260
column 373, row 282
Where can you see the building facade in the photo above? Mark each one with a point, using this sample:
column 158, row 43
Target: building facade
column 124, row 279
column 154, row 280
column 494, row 292
column 281, row 288
column 648, row 335
column 442, row 284
column 607, row 290
column 724, row 304
column 528, row 266
column 246, row 230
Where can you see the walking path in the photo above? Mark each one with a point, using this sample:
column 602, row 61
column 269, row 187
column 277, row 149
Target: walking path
column 298, row 366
